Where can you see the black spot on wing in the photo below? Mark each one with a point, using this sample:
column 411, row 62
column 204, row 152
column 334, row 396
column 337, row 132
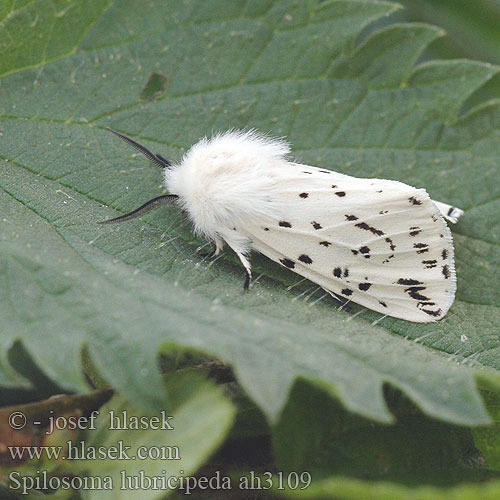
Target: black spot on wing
column 383, row 304
column 325, row 243
column 351, row 217
column 337, row 272
column 414, row 293
column 266, row 229
column 364, row 286
column 306, row 172
column 365, row 251
column 444, row 254
column 450, row 211
column 284, row 223
column 446, row 271
column 304, row 195
column 316, row 225
column 430, row 312
column 346, row 291
column 325, row 171
column 305, row 259
column 340, row 193
column 392, row 246
column 414, row 201
column 420, row 305
column 429, row 264
column 415, row 230
column 288, row 263
column 422, row 247
column 334, row 186
column 408, row 281
column 367, row 227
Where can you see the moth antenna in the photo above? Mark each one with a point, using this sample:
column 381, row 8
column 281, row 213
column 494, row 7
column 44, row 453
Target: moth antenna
column 157, row 202
column 155, row 158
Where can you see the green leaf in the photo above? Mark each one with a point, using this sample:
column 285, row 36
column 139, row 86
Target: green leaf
column 343, row 488
column 488, row 438
column 471, row 32
column 132, row 291
column 471, row 26
column 36, row 32
column 340, row 445
column 202, row 416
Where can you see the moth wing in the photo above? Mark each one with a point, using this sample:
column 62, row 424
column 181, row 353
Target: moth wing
column 449, row 212
column 380, row 243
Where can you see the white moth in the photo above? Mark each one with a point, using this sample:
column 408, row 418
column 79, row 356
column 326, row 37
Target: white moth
column 379, row 243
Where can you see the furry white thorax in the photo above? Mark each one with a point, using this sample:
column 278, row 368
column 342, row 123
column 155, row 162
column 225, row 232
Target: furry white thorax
column 226, row 180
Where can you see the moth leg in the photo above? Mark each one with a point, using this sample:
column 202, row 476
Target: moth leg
column 209, row 255
column 248, row 270
column 240, row 247
column 219, row 245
